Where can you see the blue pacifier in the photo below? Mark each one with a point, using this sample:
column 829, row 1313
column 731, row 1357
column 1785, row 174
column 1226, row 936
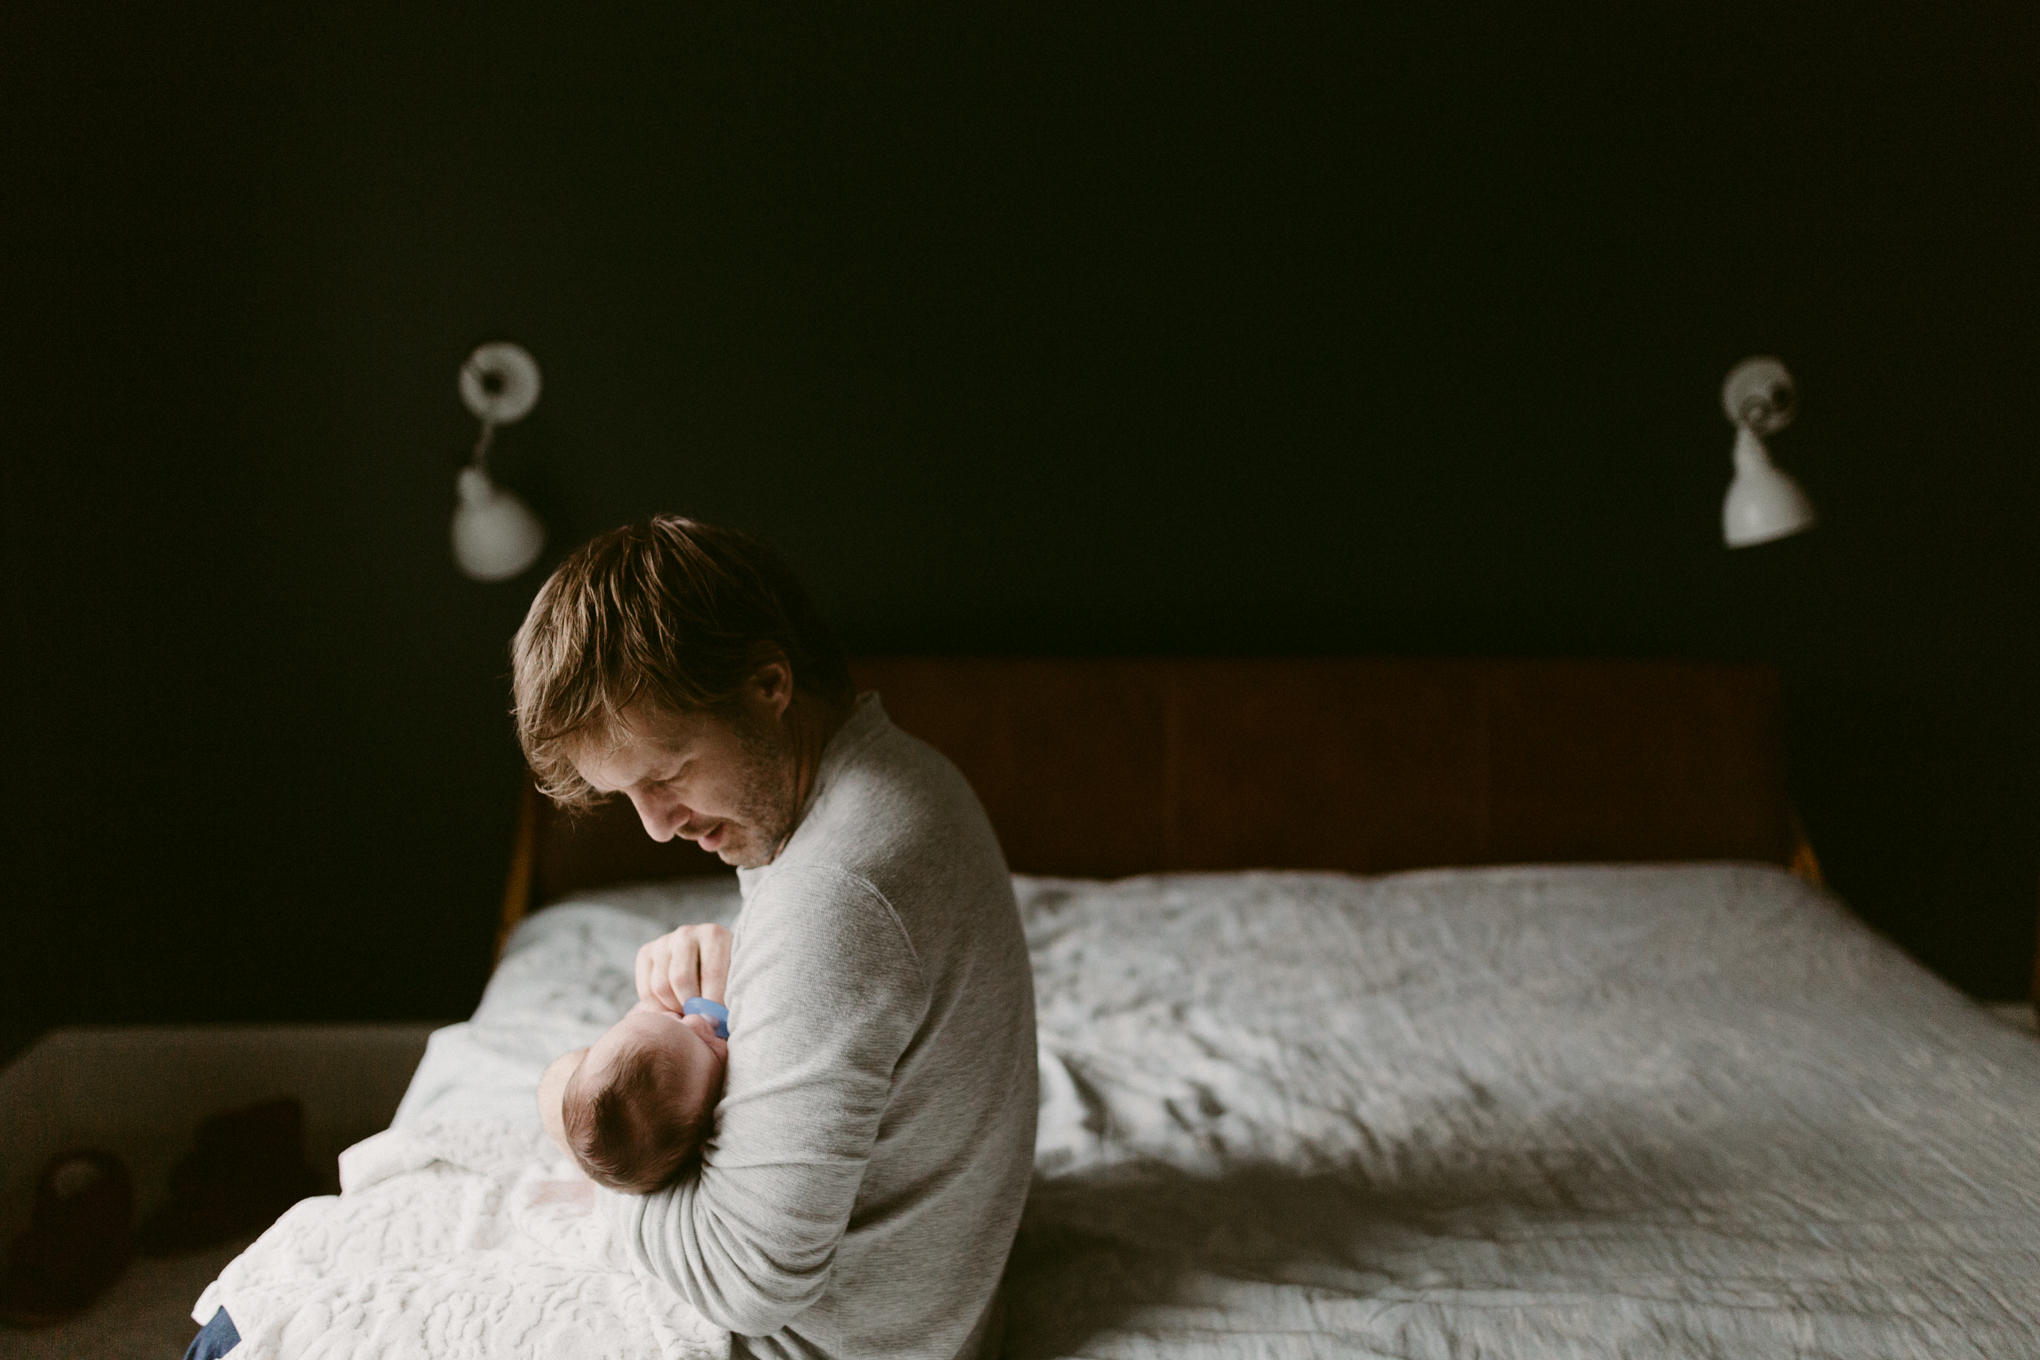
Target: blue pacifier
column 714, row 1010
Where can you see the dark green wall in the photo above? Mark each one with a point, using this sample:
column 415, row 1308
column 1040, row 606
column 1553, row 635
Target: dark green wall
column 1066, row 330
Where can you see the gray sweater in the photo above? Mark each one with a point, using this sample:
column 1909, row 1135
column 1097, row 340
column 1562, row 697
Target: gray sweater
column 864, row 1179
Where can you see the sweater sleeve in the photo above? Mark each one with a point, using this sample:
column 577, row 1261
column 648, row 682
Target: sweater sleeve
column 825, row 995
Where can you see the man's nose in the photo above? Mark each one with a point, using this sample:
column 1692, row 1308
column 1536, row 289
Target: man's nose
column 662, row 817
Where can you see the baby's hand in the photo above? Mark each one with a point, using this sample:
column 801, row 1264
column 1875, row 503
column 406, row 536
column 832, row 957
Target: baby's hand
column 719, row 1044
column 692, row 961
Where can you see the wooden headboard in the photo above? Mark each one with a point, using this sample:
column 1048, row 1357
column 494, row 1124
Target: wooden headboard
column 1105, row 768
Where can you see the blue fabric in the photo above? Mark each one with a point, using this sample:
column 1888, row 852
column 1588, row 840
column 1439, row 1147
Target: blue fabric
column 214, row 1339
column 714, row 1010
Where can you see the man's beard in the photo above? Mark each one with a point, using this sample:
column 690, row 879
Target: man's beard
column 765, row 811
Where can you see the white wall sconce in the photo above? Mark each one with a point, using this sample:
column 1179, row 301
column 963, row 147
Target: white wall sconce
column 495, row 535
column 1763, row 503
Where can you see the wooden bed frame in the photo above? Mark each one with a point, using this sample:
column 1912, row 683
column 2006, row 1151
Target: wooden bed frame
column 1101, row 769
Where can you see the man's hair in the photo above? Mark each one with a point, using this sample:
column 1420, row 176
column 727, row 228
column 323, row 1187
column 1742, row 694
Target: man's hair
column 670, row 610
column 620, row 1134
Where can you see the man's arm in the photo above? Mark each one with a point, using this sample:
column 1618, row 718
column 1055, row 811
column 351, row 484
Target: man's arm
column 825, row 995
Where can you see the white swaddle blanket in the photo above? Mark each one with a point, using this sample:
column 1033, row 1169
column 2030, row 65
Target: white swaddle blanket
column 449, row 1240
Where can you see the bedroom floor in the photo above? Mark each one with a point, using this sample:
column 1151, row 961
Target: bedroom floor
column 146, row 1316
column 140, row 1092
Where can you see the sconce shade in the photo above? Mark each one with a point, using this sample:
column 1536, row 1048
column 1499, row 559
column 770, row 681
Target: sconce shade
column 495, row 535
column 1763, row 503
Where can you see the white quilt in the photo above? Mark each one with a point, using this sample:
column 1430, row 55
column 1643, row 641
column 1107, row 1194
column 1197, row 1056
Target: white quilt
column 1659, row 1111
column 452, row 1240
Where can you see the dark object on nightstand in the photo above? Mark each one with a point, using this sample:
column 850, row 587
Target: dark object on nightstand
column 244, row 1169
column 77, row 1242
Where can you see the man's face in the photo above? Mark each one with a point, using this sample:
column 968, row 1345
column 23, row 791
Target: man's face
column 729, row 785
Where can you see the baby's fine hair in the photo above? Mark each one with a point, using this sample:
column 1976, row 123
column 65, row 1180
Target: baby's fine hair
column 619, row 1136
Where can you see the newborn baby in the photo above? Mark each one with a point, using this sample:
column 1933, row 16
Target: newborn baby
column 634, row 1107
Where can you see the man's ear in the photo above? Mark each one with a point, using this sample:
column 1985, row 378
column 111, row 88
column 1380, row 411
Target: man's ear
column 771, row 684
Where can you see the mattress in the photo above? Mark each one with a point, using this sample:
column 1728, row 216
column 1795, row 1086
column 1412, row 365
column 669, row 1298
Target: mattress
column 1584, row 1111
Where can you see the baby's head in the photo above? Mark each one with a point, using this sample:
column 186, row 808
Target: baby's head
column 637, row 1107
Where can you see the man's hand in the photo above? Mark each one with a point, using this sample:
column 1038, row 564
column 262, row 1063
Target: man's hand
column 692, row 961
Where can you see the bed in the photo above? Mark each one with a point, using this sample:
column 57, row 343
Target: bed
column 1397, row 1008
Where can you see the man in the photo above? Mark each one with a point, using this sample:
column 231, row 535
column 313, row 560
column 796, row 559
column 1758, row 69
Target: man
column 860, row 1187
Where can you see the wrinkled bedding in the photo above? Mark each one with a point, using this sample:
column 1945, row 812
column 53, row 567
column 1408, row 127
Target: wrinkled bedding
column 460, row 1239
column 566, row 974
column 1582, row 1111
